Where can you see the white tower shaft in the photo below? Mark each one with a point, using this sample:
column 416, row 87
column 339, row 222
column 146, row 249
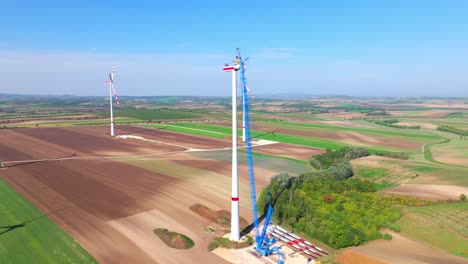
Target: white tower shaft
column 235, row 232
column 111, row 112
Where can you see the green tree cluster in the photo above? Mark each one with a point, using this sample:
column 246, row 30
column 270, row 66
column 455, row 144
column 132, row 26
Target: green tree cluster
column 378, row 113
column 339, row 211
column 336, row 163
column 392, row 122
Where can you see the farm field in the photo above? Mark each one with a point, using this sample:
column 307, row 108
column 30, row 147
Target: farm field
column 101, row 196
column 191, row 128
column 113, row 201
column 151, row 173
column 157, row 114
column 383, row 172
column 402, row 249
column 440, row 174
column 330, row 137
column 443, row 226
column 27, row 235
column 352, row 136
column 454, row 152
column 406, row 177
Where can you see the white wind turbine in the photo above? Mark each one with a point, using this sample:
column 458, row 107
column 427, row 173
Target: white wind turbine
column 112, row 89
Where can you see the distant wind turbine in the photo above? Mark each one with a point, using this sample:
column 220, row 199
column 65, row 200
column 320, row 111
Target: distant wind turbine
column 244, row 87
column 112, row 89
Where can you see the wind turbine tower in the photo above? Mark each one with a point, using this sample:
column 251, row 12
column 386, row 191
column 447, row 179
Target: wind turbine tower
column 112, row 89
column 235, row 232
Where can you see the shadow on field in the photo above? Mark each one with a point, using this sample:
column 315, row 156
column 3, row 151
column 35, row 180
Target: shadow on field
column 266, row 133
column 9, row 228
column 249, row 228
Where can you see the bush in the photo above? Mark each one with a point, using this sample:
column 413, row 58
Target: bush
column 394, row 227
column 356, row 152
column 387, row 237
column 341, row 171
column 463, row 197
column 314, row 163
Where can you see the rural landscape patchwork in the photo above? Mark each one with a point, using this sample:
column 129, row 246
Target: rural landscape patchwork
column 244, row 132
column 368, row 180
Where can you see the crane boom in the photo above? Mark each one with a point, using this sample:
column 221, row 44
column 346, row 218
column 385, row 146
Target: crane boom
column 263, row 244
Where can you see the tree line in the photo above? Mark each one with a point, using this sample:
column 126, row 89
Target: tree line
column 463, row 133
column 392, row 123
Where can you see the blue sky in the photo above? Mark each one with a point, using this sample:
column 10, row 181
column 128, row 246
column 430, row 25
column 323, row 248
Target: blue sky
column 371, row 48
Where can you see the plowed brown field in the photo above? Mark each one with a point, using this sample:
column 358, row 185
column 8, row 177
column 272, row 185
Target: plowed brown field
column 289, row 150
column 350, row 257
column 111, row 207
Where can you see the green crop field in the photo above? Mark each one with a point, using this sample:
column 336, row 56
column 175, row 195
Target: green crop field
column 184, row 129
column 29, row 236
column 457, row 115
column 219, row 131
column 378, row 176
column 222, row 131
column 443, row 226
column 434, row 173
column 382, row 131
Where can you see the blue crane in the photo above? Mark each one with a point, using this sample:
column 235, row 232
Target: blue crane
column 263, row 245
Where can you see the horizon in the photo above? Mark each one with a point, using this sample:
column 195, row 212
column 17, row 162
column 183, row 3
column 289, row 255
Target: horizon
column 363, row 48
column 260, row 96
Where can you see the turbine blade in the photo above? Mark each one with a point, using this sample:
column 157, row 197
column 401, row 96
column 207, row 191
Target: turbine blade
column 113, row 72
column 250, row 91
column 115, row 94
